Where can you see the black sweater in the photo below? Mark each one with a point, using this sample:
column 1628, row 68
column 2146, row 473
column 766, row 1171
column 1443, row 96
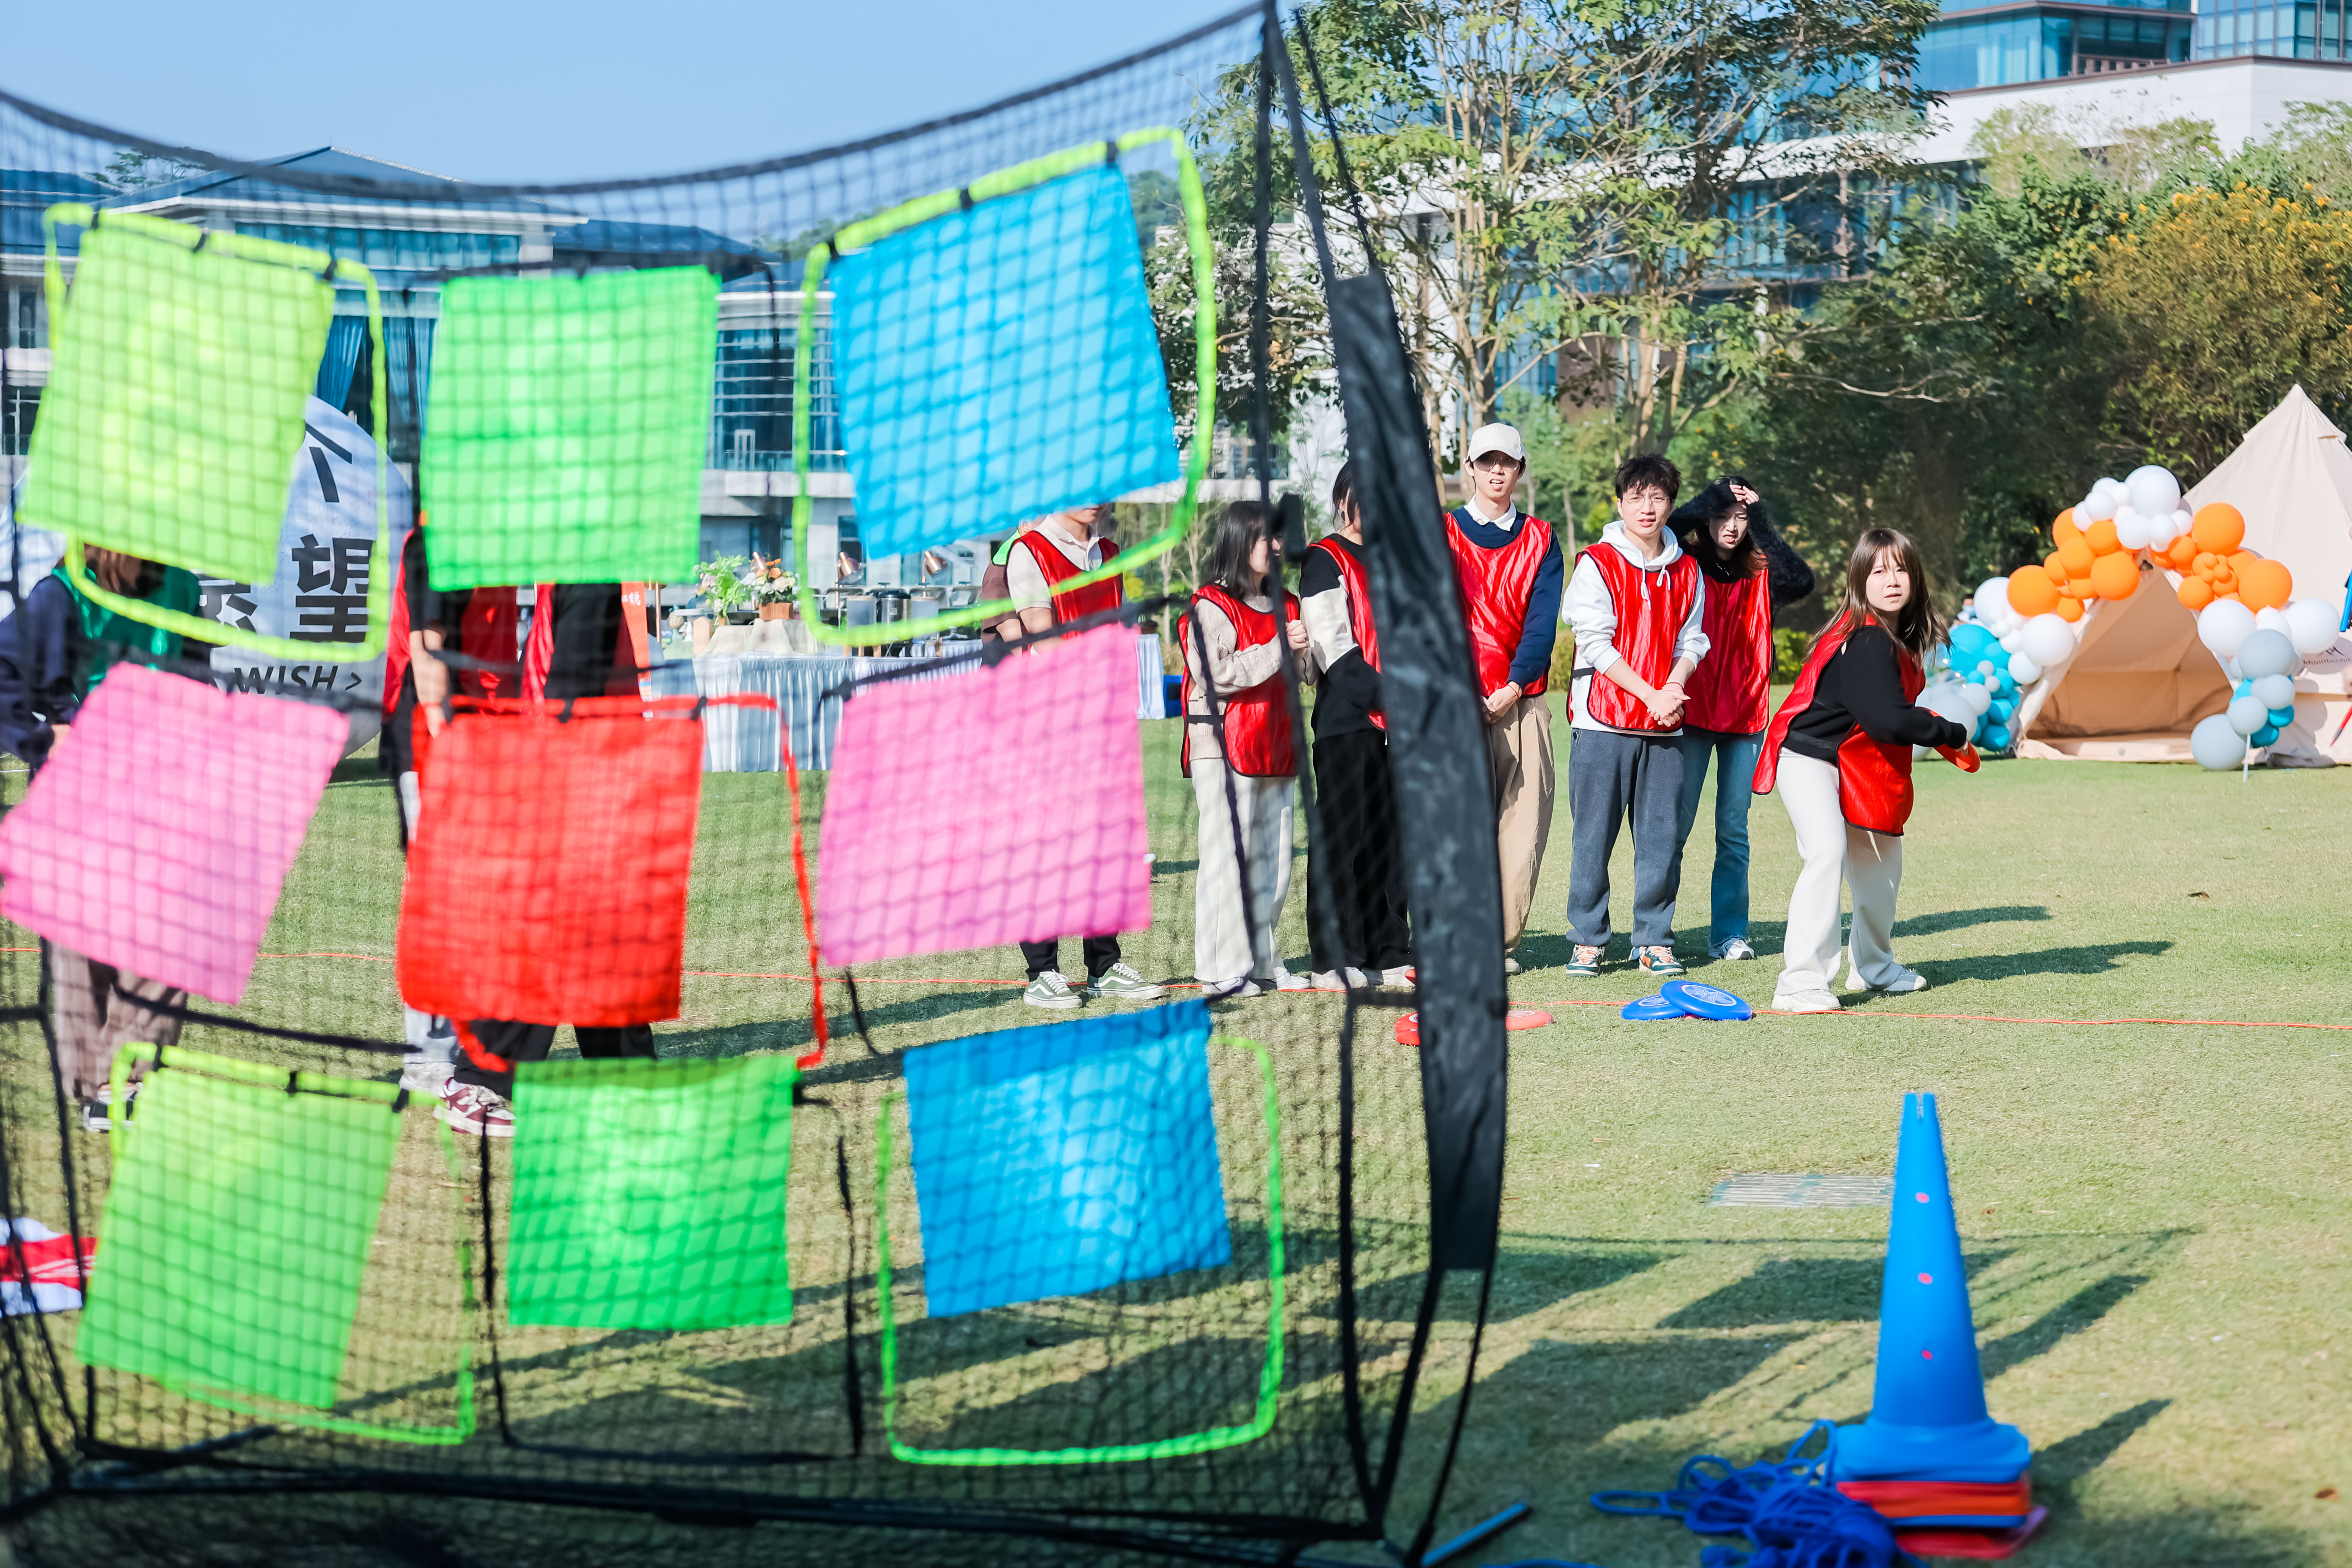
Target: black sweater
column 1792, row 579
column 1863, row 684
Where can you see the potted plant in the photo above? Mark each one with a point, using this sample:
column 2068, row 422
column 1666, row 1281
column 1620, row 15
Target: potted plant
column 724, row 591
column 773, row 589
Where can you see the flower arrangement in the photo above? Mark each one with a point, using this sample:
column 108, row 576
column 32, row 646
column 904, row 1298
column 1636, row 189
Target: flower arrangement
column 770, row 584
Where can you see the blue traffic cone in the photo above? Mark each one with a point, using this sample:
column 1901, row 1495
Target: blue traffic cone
column 1928, row 1418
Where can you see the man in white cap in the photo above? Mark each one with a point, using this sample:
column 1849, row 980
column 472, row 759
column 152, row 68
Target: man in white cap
column 1508, row 566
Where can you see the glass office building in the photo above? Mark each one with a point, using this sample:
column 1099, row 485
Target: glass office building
column 2308, row 30
column 1973, row 46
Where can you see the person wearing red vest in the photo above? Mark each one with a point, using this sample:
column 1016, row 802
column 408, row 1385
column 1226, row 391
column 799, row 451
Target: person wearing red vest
column 1507, row 567
column 1840, row 753
column 1039, row 561
column 1241, row 755
column 1636, row 606
column 1749, row 575
column 1355, row 885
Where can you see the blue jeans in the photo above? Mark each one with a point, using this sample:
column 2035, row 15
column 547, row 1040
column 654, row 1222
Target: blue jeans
column 1734, row 776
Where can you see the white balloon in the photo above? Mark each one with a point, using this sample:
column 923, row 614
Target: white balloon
column 2010, row 642
column 2023, row 671
column 1978, row 698
column 1993, row 600
column 2216, row 746
column 2100, row 504
column 2047, row 640
column 2230, row 669
column 2275, row 690
column 2223, row 626
column 1984, row 667
column 2247, row 714
column 2154, row 491
column 2163, row 530
column 2131, row 532
column 2270, row 618
column 2311, row 625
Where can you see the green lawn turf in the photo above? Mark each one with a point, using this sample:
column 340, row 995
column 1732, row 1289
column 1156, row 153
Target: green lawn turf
column 2156, row 1214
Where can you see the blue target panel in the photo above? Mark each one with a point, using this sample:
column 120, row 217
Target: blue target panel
column 998, row 364
column 1060, row 1159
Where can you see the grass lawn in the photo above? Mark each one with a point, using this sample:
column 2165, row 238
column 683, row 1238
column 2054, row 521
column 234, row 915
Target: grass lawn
column 2156, row 1214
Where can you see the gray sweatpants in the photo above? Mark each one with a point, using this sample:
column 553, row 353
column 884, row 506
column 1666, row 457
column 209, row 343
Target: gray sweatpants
column 1610, row 776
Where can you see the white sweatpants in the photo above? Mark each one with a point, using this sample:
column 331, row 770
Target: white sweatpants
column 1835, row 851
column 1223, row 947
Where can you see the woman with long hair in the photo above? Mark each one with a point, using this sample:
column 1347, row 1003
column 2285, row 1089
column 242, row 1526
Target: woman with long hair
column 1240, row 754
column 1839, row 750
column 1749, row 572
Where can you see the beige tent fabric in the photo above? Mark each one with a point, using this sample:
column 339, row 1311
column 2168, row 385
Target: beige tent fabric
column 2139, row 679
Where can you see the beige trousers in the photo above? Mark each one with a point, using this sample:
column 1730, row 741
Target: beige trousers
column 93, row 1023
column 1520, row 762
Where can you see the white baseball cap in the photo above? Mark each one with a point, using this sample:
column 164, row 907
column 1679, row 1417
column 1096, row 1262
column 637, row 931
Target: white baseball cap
column 1503, row 439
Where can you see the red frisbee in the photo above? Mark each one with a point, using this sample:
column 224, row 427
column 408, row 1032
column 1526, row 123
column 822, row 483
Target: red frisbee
column 1408, row 1028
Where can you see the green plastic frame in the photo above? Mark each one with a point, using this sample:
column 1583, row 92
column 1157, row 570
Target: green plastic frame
column 1269, row 1380
column 385, row 1094
column 1004, row 183
column 379, row 632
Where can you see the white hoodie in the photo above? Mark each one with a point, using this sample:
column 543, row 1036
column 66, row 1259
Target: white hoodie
column 1592, row 615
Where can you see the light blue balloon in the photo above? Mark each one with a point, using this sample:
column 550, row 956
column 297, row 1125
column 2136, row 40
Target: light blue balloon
column 2275, row 690
column 2001, row 711
column 2244, row 689
column 2267, row 653
column 2003, row 682
column 2266, row 735
column 2281, row 717
column 2216, row 746
column 1971, row 636
column 2247, row 714
column 1995, row 738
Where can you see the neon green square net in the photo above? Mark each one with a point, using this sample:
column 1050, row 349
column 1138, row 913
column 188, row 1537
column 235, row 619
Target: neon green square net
column 173, row 412
column 650, row 1194
column 566, row 427
column 234, row 1233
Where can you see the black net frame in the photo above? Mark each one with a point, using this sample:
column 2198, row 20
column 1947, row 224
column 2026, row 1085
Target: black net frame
column 1384, row 1200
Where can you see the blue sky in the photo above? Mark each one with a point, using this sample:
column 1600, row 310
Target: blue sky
column 530, row 90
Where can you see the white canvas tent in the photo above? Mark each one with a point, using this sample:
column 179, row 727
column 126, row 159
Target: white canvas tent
column 2139, row 679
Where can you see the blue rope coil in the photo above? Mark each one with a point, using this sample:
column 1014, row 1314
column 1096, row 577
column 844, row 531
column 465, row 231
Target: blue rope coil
column 1788, row 1512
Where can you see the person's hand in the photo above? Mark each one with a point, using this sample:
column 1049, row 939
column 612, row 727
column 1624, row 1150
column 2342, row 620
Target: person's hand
column 1666, row 706
column 435, row 715
column 1741, row 493
column 116, row 572
column 1500, row 701
column 1297, row 631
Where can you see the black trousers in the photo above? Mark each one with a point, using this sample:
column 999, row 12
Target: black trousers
column 1099, row 951
column 531, row 1043
column 1355, row 887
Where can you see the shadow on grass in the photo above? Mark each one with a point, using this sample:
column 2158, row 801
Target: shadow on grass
column 1800, row 1290
column 2071, row 1316
column 2091, row 958
column 2057, row 1468
column 1525, row 1282
column 1960, row 919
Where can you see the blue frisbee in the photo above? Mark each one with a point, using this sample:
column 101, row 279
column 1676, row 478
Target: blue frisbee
column 1704, row 1000
column 1653, row 1007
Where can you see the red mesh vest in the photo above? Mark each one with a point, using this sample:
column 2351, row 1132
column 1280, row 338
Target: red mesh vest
column 1731, row 690
column 1079, row 603
column 1256, row 732
column 1651, row 604
column 1495, row 588
column 1357, row 585
column 1873, row 777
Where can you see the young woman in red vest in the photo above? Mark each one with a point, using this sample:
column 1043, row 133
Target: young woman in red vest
column 1839, row 751
column 1356, row 923
column 1038, row 563
column 1240, row 754
column 1749, row 572
column 1634, row 606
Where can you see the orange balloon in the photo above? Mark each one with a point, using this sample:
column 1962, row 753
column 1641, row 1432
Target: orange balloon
column 2183, row 552
column 2266, row 584
column 2075, row 556
column 2196, row 593
column 2079, row 588
column 2225, row 583
column 2031, row 590
column 2069, row 610
column 2206, row 564
column 2054, row 569
column 2064, row 529
column 2115, row 577
column 2101, row 537
column 2220, row 528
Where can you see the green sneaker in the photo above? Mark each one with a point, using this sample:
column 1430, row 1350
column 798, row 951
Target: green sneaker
column 1050, row 990
column 1585, row 961
column 1121, row 983
column 1660, row 962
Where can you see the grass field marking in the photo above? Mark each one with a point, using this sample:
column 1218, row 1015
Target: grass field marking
column 1269, row 1382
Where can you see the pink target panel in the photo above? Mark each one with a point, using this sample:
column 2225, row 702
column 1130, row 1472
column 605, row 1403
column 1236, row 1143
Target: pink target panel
column 1004, row 805
column 157, row 837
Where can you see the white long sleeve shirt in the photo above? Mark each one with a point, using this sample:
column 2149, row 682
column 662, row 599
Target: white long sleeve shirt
column 1591, row 618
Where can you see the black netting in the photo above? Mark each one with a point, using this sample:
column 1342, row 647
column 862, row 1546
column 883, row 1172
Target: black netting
column 533, row 942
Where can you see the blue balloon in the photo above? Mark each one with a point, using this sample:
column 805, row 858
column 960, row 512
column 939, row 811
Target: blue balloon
column 2282, row 717
column 2001, row 711
column 2245, row 687
column 1972, row 637
column 2265, row 736
column 2003, row 683
column 1994, row 738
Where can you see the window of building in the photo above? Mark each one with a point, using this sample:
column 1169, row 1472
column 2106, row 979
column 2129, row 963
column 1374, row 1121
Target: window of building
column 17, row 414
column 751, row 404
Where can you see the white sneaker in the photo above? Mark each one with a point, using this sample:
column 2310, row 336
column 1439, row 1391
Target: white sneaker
column 1341, row 980
column 1736, row 948
column 1280, row 980
column 1906, row 981
column 1510, row 965
column 1822, row 1001
column 1050, row 990
column 425, row 1075
column 1401, row 975
column 1230, row 990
